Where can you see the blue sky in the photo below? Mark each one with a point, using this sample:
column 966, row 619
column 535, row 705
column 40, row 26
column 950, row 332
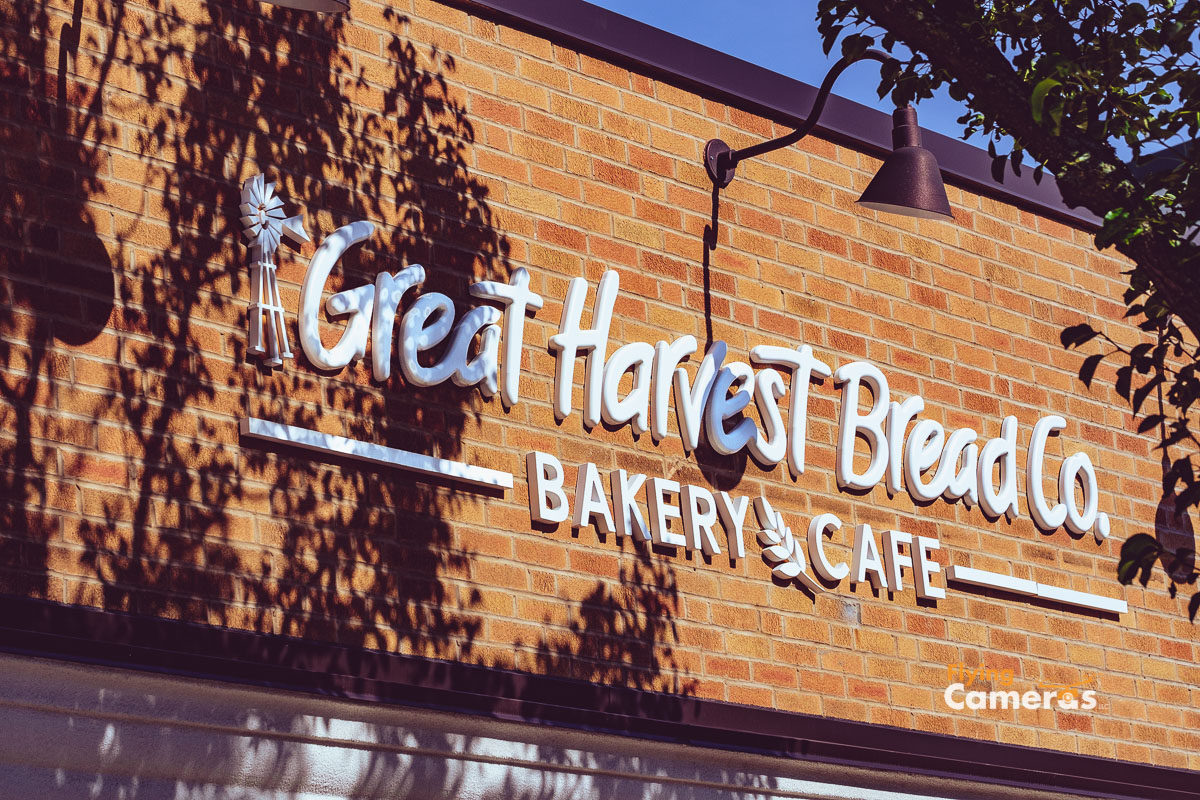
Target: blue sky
column 780, row 35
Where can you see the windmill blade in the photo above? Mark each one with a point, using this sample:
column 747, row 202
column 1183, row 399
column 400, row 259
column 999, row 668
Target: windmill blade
column 293, row 228
column 275, row 202
column 254, row 188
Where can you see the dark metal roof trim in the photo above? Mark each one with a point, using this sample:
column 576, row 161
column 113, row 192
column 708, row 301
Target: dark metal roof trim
column 51, row 630
column 715, row 74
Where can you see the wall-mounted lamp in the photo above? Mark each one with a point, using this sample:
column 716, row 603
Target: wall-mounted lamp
column 908, row 182
column 321, row 6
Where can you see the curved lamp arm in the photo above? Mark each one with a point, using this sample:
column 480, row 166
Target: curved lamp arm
column 721, row 161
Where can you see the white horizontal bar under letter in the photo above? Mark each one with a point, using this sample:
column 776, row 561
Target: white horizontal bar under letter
column 995, row 580
column 1074, row 598
column 374, row 453
column 991, row 580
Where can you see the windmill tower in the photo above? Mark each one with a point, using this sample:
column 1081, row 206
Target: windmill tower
column 265, row 225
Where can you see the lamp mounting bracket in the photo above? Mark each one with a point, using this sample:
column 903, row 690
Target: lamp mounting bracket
column 719, row 166
column 720, row 160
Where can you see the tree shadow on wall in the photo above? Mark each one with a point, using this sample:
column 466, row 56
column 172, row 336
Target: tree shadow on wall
column 1164, row 370
column 620, row 634
column 177, row 519
column 129, row 130
column 57, row 289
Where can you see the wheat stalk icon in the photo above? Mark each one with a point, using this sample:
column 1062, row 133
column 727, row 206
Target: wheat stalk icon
column 264, row 225
column 780, row 548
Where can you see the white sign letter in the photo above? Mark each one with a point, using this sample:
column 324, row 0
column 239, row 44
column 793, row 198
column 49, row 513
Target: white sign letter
column 418, row 334
column 870, row 425
column 899, row 415
column 722, row 407
column 866, row 559
column 628, row 515
column 894, row 559
column 570, row 339
column 921, row 451
column 699, row 516
column 666, row 359
column 995, row 502
column 690, row 402
column 816, row 548
column 1078, row 522
column 516, row 298
column 547, row 500
column 661, row 512
column 733, row 517
column 358, row 303
column 388, row 292
column 926, row 568
column 480, row 370
column 1046, row 518
column 960, row 482
column 803, row 365
column 772, row 447
column 590, row 500
column 635, row 407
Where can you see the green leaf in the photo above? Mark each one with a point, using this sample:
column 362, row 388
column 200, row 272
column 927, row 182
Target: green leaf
column 1037, row 100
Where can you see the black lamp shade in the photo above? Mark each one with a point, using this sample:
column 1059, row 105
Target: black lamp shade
column 909, row 182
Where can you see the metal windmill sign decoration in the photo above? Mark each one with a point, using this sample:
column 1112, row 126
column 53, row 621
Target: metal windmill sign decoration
column 265, row 224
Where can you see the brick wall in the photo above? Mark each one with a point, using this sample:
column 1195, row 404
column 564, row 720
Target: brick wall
column 477, row 148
